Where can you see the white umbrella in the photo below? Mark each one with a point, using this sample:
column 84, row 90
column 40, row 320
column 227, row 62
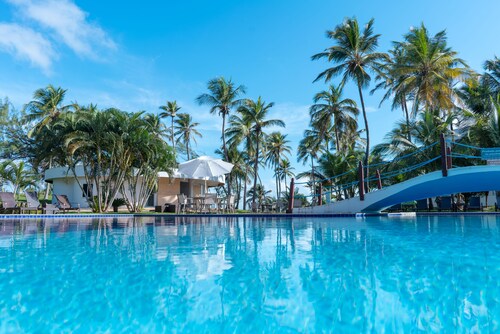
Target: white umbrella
column 205, row 167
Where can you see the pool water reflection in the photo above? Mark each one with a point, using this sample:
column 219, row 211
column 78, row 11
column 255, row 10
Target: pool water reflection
column 250, row 275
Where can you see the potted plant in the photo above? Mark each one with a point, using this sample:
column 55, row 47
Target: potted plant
column 117, row 202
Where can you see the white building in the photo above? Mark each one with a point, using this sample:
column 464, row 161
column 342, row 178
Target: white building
column 64, row 183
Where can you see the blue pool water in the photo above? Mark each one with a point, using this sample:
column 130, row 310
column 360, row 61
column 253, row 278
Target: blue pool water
column 244, row 275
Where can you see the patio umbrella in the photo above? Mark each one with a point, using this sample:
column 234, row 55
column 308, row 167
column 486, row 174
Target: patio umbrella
column 205, row 167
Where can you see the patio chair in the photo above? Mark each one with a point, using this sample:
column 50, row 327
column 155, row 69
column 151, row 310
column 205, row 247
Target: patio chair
column 32, row 202
column 280, row 205
column 65, row 205
column 9, row 203
column 475, row 203
column 229, row 207
column 209, row 204
column 422, row 205
column 183, row 203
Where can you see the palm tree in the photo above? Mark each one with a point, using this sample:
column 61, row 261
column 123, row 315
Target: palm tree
column 330, row 108
column 333, row 164
column 426, row 130
column 285, row 170
column 19, row 176
column 170, row 110
column 354, row 57
column 259, row 195
column 427, row 69
column 46, row 107
column 256, row 112
column 485, row 128
column 223, row 97
column 239, row 132
column 276, row 147
column 186, row 131
column 309, row 149
column 390, row 78
column 491, row 77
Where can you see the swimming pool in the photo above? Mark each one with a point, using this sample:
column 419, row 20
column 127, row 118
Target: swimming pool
column 250, row 275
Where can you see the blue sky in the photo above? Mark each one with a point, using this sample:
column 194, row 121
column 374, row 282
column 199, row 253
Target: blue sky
column 135, row 57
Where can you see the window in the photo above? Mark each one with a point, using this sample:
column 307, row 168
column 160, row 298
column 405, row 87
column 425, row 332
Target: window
column 87, row 191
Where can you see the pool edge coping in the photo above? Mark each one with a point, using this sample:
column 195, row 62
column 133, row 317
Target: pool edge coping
column 242, row 215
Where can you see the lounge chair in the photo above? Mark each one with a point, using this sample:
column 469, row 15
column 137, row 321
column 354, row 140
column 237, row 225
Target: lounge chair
column 50, row 209
column 475, row 203
column 9, row 203
column 423, row 205
column 65, row 205
column 297, row 203
column 446, row 204
column 32, row 202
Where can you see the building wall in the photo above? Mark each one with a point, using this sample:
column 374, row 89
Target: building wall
column 69, row 187
column 167, row 190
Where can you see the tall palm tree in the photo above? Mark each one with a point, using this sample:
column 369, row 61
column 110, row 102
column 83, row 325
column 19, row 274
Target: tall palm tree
column 354, row 57
column 277, row 147
column 427, row 68
column 45, row 107
column 223, row 97
column 389, row 79
column 285, row 170
column 186, row 131
column 330, row 108
column 256, row 112
column 239, row 132
column 170, row 110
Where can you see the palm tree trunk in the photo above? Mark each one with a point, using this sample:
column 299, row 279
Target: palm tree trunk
column 256, row 166
column 47, row 190
column 238, row 193
column 367, row 152
column 312, row 179
column 337, row 139
column 172, row 133
column 245, row 190
column 187, row 150
column 224, row 149
column 407, row 115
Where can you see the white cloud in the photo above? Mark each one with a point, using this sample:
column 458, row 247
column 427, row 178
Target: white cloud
column 371, row 109
column 68, row 23
column 296, row 118
column 25, row 43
